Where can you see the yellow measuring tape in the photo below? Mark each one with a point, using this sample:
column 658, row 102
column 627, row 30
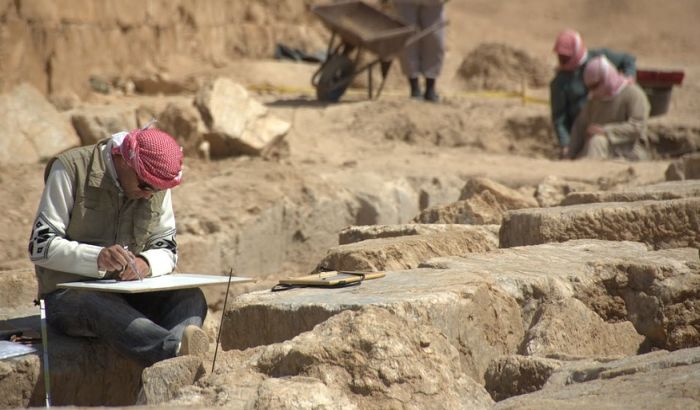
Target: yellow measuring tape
column 309, row 91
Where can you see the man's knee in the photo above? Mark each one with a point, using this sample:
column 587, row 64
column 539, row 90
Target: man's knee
column 597, row 147
column 194, row 298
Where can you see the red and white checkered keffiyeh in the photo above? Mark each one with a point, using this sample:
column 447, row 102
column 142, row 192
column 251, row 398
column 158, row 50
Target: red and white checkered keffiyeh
column 570, row 44
column 155, row 156
column 603, row 76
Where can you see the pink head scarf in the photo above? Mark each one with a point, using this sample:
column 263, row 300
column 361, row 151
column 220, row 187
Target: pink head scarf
column 155, row 156
column 569, row 43
column 604, row 78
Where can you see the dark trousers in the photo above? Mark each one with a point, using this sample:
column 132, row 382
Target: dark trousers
column 146, row 327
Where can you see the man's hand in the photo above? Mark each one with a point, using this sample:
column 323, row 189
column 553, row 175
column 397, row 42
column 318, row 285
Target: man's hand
column 117, row 259
column 594, row 129
column 129, row 274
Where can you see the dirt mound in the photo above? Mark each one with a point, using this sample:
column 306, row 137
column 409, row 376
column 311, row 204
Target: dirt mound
column 495, row 66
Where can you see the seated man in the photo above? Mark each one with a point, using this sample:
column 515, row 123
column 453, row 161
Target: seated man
column 613, row 121
column 101, row 203
column 567, row 91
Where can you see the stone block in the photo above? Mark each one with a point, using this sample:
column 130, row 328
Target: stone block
column 441, row 298
column 569, row 328
column 654, row 380
column 655, row 192
column 619, row 281
column 359, row 233
column 514, row 375
column 660, row 224
column 96, row 123
column 31, row 129
column 406, row 252
column 162, row 381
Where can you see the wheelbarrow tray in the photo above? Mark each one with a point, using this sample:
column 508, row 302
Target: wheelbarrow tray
column 362, row 25
column 658, row 85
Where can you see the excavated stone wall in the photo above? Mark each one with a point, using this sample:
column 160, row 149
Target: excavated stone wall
column 58, row 45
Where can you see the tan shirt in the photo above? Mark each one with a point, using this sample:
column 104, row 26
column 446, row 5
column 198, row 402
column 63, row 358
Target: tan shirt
column 623, row 117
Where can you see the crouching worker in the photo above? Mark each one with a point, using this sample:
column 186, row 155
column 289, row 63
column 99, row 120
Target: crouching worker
column 613, row 122
column 106, row 212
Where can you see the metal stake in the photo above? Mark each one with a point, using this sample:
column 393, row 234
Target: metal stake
column 221, row 323
column 45, row 343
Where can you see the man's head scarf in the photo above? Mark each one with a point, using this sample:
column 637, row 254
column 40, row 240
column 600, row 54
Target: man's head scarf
column 570, row 44
column 604, row 78
column 155, row 157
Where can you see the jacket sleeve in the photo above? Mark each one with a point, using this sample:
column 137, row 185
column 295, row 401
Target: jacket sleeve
column 626, row 63
column 161, row 247
column 557, row 101
column 634, row 128
column 48, row 246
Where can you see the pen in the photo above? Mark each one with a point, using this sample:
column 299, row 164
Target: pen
column 132, row 264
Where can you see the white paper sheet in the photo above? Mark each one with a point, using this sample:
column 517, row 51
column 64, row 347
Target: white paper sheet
column 10, row 349
column 158, row 283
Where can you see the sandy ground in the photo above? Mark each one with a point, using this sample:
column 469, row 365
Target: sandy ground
column 467, row 134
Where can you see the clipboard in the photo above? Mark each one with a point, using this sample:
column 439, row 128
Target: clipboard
column 330, row 279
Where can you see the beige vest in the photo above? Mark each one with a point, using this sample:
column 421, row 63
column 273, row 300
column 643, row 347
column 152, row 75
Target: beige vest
column 100, row 216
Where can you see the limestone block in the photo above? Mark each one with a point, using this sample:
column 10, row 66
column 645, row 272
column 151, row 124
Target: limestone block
column 568, row 327
column 237, row 123
column 226, row 107
column 655, row 192
column 552, row 190
column 441, row 298
column 181, row 120
column 162, row 381
column 655, row 380
column 377, row 199
column 660, row 224
column 581, row 371
column 264, row 133
column 18, row 379
column 359, row 233
column 514, row 375
column 300, row 392
column 687, row 167
column 96, row 123
column 478, row 210
column 406, row 252
column 619, row 281
column 84, row 372
column 31, row 129
column 87, row 372
column 660, row 389
column 371, row 358
column 481, row 201
column 380, row 360
column 506, row 197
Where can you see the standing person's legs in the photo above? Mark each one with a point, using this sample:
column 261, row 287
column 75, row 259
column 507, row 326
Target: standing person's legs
column 431, row 48
column 409, row 58
column 110, row 317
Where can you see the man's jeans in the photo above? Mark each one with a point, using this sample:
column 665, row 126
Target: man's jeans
column 146, row 327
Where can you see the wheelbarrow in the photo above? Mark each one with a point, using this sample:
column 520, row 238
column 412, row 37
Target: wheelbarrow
column 357, row 27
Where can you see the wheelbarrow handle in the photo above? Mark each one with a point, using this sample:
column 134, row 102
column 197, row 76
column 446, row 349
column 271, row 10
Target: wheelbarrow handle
column 432, row 28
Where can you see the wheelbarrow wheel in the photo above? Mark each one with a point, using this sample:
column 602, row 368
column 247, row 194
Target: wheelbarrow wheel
column 335, row 77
